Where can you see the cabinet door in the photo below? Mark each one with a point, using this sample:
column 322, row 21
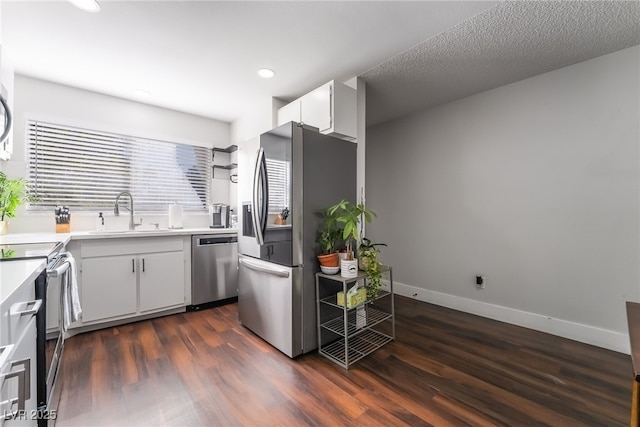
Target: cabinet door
column 289, row 113
column 161, row 280
column 108, row 287
column 316, row 108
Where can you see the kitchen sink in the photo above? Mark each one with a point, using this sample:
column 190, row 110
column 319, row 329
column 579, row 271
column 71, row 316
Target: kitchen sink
column 139, row 230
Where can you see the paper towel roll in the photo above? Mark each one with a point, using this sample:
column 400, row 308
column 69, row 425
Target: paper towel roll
column 175, row 216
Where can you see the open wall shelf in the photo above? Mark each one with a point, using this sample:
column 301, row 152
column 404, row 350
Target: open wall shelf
column 227, row 166
column 229, row 149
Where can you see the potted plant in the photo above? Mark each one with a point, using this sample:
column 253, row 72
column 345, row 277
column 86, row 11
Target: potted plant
column 366, row 251
column 348, row 215
column 327, row 241
column 13, row 193
column 369, row 263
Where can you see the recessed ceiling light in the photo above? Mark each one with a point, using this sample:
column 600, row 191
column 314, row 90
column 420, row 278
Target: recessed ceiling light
column 141, row 93
column 266, row 73
column 87, row 5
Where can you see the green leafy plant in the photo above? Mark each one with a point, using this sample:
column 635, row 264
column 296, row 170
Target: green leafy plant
column 13, row 194
column 7, row 253
column 329, row 234
column 348, row 215
column 368, row 261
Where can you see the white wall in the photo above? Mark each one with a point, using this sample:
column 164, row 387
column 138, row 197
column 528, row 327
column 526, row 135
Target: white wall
column 535, row 185
column 261, row 118
column 38, row 99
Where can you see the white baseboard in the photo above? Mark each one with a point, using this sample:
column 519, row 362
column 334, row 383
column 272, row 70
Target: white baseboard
column 604, row 338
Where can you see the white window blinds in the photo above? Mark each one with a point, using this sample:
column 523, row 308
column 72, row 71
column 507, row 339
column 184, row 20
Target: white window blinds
column 85, row 170
column 279, row 181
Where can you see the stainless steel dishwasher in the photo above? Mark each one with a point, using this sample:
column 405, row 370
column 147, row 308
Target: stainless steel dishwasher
column 214, row 270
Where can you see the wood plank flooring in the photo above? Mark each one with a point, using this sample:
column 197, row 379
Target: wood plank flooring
column 446, row 368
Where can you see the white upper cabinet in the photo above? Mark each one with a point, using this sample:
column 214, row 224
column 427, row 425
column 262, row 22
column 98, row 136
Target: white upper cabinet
column 332, row 108
column 290, row 112
column 316, row 108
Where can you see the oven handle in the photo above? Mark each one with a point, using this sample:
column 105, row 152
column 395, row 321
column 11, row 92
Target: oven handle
column 59, row 271
column 31, row 311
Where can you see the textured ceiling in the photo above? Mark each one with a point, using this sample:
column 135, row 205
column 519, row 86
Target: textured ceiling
column 201, row 57
column 509, row 42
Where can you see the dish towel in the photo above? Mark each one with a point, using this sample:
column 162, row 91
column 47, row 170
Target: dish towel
column 72, row 308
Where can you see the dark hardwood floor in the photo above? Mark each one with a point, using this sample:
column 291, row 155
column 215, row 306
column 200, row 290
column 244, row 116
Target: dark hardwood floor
column 445, row 368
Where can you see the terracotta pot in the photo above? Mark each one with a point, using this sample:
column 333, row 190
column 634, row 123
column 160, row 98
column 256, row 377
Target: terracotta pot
column 329, row 260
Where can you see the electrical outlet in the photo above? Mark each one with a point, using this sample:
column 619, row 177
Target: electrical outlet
column 481, row 282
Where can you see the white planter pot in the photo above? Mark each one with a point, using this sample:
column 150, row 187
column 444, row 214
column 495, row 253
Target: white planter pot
column 4, row 227
column 348, row 267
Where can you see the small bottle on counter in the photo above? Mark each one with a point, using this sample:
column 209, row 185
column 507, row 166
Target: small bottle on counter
column 100, row 222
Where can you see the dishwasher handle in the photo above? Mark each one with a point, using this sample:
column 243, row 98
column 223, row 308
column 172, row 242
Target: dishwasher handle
column 209, row 241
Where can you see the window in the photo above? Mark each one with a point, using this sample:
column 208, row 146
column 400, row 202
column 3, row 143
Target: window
column 85, row 170
column 279, row 184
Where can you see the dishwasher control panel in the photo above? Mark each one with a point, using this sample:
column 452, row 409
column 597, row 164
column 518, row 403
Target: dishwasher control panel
column 215, row 240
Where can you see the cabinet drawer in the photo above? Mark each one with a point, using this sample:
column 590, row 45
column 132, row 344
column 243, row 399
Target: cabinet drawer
column 11, row 321
column 20, row 314
column 21, row 366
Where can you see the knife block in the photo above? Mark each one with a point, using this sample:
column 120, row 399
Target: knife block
column 63, row 228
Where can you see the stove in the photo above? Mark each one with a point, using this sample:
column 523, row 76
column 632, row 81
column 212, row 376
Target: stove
column 20, row 251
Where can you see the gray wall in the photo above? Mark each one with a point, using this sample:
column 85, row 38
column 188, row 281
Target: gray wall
column 535, row 185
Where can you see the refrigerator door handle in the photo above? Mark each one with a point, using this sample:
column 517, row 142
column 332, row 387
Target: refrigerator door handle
column 265, row 196
column 255, row 208
column 260, row 188
column 256, row 267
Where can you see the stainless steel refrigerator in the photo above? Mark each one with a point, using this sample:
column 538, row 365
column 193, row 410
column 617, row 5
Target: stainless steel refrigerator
column 299, row 172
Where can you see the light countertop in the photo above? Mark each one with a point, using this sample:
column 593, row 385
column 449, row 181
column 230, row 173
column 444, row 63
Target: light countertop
column 16, row 238
column 14, row 274
column 111, row 234
column 107, row 234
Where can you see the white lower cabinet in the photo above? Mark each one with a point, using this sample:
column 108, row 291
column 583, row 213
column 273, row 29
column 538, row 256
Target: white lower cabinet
column 109, row 287
column 18, row 381
column 161, row 281
column 18, row 356
column 128, row 277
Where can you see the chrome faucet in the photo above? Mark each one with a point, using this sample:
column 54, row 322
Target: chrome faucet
column 116, row 209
